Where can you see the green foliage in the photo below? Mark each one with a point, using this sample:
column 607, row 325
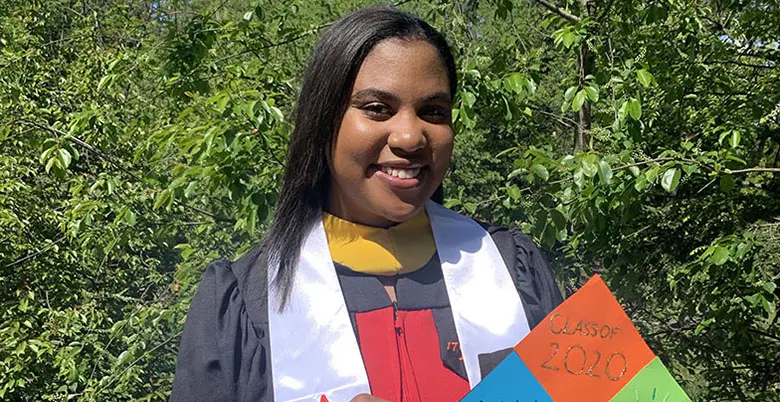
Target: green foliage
column 141, row 140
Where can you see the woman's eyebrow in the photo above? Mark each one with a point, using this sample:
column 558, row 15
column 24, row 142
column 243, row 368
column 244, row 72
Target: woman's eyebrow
column 388, row 97
column 377, row 93
column 439, row 96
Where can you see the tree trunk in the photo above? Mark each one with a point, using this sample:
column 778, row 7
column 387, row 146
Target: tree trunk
column 584, row 68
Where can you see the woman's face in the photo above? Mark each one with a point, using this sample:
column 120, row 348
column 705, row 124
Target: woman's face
column 394, row 144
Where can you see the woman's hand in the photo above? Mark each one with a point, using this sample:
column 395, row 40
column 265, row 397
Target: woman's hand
column 367, row 398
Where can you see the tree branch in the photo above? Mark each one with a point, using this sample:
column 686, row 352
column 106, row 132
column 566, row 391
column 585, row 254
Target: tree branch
column 562, row 120
column 37, row 253
column 272, row 45
column 557, row 10
column 766, row 334
column 770, row 64
column 135, row 362
column 112, row 160
column 754, row 170
column 100, row 154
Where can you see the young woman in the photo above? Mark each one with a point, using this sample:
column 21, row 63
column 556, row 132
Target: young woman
column 364, row 285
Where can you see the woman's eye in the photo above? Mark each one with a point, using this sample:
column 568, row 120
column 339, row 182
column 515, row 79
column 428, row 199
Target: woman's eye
column 436, row 114
column 377, row 110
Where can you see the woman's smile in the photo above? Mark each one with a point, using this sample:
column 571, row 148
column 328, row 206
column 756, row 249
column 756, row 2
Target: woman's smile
column 400, row 178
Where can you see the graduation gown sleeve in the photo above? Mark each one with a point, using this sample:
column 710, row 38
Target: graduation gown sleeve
column 529, row 270
column 224, row 351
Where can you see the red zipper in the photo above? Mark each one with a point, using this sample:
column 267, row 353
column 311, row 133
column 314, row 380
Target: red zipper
column 398, row 348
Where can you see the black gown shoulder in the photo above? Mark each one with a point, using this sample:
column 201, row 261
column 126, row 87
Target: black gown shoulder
column 224, row 354
column 528, row 268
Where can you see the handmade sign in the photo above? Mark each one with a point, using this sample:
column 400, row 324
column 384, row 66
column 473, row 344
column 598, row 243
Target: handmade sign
column 586, row 349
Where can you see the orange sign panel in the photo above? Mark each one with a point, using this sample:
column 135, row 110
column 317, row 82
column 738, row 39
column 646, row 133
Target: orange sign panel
column 587, row 348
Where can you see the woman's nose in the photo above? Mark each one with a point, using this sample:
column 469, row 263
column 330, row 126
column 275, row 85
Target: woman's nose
column 408, row 136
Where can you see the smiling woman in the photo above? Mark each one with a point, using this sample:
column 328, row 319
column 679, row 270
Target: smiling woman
column 395, row 140
column 366, row 288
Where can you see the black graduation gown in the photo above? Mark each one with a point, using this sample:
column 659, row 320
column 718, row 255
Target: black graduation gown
column 224, row 352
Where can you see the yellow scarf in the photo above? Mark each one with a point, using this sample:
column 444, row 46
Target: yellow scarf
column 400, row 249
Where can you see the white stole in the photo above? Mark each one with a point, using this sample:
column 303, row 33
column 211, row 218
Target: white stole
column 313, row 347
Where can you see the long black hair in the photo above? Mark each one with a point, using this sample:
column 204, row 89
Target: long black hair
column 323, row 100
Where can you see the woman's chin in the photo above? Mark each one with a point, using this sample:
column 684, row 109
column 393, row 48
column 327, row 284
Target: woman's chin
column 403, row 212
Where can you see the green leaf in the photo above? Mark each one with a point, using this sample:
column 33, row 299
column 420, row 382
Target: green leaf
column 558, row 219
column 277, row 114
column 768, row 306
column 634, row 108
column 734, row 139
column 568, row 39
column 508, row 114
column 641, row 183
column 248, row 15
column 162, row 199
column 578, row 177
column 645, row 78
column 249, row 108
column 222, row 102
column 548, row 236
column 671, row 179
column 590, row 165
column 605, row 172
column 634, row 171
column 652, row 174
column 514, row 192
column 592, row 93
column 530, row 86
column 569, row 94
column 514, row 82
column 540, row 171
column 719, row 255
column 623, row 112
column 579, row 99
column 690, row 168
column 105, row 81
column 65, row 157
column 469, row 98
column 704, row 324
column 46, row 154
column 51, row 163
column 252, row 221
column 189, row 191
column 129, row 217
column 770, row 287
column 123, row 358
column 723, row 136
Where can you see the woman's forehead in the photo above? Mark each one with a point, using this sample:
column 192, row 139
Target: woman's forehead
column 404, row 68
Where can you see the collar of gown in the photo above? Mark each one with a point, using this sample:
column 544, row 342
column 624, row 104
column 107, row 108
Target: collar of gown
column 400, row 249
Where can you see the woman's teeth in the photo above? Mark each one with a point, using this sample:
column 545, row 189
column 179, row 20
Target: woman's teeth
column 401, row 173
